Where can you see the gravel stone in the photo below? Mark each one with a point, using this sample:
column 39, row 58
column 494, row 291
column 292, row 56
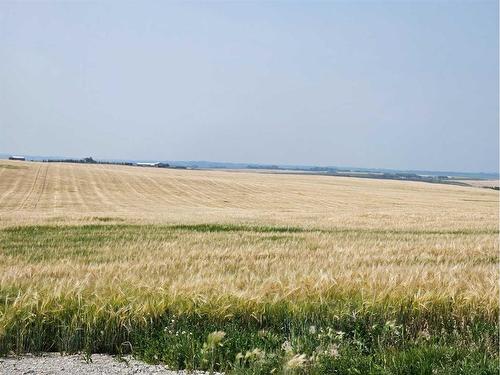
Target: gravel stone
column 101, row 364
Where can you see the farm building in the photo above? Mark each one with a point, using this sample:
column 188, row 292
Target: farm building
column 147, row 164
column 13, row 157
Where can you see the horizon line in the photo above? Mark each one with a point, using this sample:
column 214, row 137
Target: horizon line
column 496, row 173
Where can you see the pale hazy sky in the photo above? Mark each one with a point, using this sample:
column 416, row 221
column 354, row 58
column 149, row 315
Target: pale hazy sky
column 409, row 85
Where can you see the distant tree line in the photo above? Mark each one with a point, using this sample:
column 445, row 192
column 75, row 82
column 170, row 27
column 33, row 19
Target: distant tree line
column 88, row 160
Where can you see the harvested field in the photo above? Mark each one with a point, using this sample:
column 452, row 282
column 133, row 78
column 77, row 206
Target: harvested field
column 481, row 183
column 249, row 272
column 33, row 193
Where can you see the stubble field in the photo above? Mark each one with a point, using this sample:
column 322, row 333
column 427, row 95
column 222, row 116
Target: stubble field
column 249, row 272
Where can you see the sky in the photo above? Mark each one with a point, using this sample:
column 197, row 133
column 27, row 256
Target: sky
column 376, row 84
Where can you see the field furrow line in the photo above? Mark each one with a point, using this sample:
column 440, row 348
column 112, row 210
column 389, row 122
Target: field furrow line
column 27, row 197
column 44, row 184
column 56, row 186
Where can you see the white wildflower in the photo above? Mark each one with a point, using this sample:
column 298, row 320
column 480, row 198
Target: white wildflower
column 333, row 350
column 287, row 347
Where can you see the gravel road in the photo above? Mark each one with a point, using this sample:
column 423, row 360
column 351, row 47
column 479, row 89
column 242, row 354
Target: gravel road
column 56, row 364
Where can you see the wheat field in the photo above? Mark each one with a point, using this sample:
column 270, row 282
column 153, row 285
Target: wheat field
column 94, row 256
column 62, row 193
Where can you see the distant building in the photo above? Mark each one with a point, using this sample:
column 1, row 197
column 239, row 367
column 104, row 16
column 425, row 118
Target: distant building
column 148, row 164
column 20, row 158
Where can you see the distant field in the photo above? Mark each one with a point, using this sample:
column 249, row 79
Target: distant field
column 302, row 274
column 72, row 193
column 481, row 183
